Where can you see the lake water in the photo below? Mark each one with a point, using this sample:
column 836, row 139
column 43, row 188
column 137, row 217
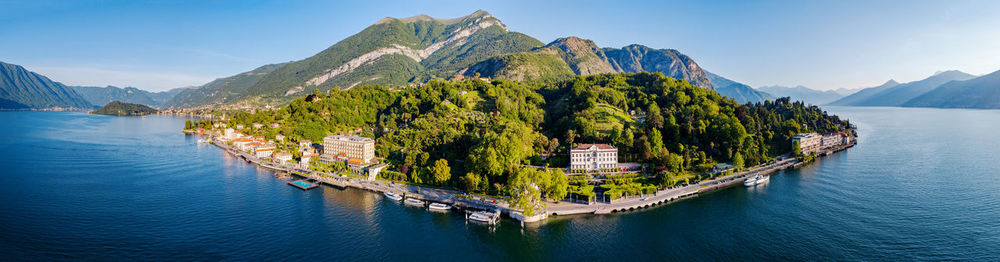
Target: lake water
column 922, row 184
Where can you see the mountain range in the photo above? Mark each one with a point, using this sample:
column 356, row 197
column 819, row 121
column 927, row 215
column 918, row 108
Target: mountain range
column 737, row 91
column 801, row 93
column 981, row 92
column 103, row 95
column 409, row 51
column 571, row 56
column 21, row 89
column 895, row 94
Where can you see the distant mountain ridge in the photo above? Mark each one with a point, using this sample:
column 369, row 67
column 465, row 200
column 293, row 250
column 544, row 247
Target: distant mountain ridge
column 737, row 91
column 889, row 94
column 21, row 89
column 981, row 93
column 103, row 95
column 801, row 93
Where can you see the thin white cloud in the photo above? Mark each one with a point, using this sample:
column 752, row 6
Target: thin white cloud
column 151, row 81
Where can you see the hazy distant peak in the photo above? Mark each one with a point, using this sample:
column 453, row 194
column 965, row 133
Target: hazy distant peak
column 952, row 73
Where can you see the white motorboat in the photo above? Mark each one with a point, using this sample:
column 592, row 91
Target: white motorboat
column 393, row 196
column 438, row 207
column 413, row 201
column 755, row 180
column 484, row 217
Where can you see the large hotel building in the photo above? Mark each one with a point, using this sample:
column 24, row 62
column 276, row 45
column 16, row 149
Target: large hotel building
column 354, row 149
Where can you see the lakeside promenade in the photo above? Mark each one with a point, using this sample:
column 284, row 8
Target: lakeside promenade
column 462, row 200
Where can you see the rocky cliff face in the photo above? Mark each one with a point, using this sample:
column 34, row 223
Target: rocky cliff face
column 670, row 62
column 583, row 56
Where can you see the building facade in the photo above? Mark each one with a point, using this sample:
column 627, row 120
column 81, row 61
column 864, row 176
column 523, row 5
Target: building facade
column 808, row 142
column 593, row 157
column 359, row 149
column 832, row 140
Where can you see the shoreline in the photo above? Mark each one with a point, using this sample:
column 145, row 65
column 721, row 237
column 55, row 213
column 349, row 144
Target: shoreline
column 561, row 208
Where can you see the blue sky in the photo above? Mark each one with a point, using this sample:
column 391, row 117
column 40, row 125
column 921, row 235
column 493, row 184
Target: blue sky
column 820, row 44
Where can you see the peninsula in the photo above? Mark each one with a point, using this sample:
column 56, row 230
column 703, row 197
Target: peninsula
column 116, row 108
column 594, row 144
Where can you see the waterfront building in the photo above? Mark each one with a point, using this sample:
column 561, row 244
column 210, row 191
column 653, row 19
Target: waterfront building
column 279, row 138
column 242, row 143
column 264, row 151
column 239, row 126
column 809, row 142
column 593, row 157
column 307, row 157
column 282, row 157
column 305, row 143
column 360, row 149
column 229, row 134
column 832, row 140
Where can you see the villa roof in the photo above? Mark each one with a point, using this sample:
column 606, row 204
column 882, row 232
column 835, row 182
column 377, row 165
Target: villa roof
column 588, row 146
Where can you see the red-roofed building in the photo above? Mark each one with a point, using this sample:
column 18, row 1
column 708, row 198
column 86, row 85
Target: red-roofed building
column 593, row 157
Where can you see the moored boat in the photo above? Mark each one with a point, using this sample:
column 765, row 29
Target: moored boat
column 484, row 217
column 413, row 201
column 755, row 180
column 438, row 207
column 393, row 196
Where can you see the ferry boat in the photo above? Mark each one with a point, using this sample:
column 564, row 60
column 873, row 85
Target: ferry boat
column 438, row 207
column 413, row 201
column 202, row 141
column 755, row 180
column 393, row 196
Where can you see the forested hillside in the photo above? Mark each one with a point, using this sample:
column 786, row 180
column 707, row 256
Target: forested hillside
column 486, row 131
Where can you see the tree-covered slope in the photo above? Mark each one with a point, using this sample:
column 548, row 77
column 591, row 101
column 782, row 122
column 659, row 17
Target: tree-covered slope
column 981, row 92
column 116, row 108
column 23, row 89
column 583, row 57
column 543, row 65
column 737, row 91
column 487, row 131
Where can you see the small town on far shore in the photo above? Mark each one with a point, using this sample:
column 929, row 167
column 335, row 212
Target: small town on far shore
column 349, row 160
